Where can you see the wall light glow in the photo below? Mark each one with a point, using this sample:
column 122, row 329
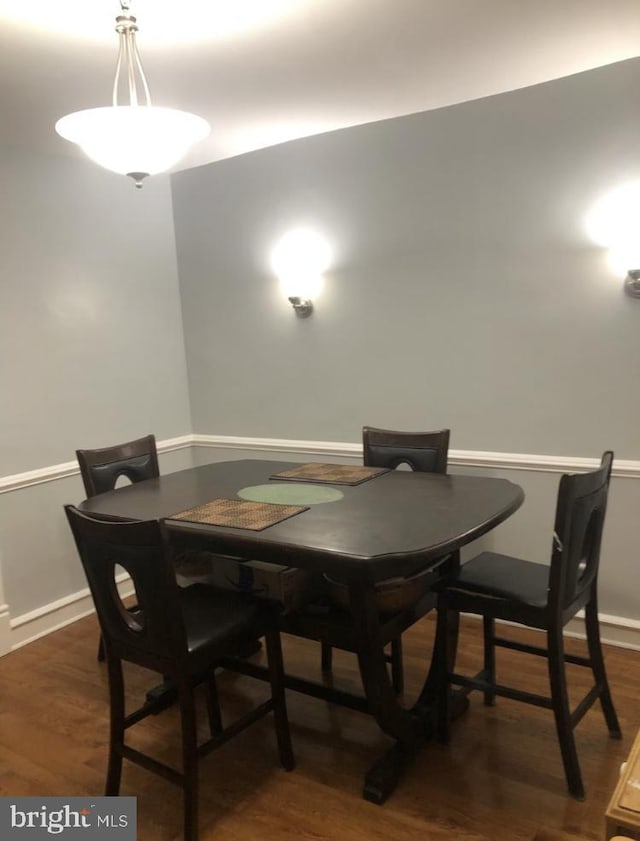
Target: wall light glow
column 299, row 259
column 614, row 220
column 621, row 260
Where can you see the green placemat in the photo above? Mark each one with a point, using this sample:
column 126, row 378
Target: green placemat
column 336, row 474
column 291, row 493
column 236, row 514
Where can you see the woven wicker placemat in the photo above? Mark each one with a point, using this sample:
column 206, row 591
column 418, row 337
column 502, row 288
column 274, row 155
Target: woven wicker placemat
column 337, row 474
column 237, row 514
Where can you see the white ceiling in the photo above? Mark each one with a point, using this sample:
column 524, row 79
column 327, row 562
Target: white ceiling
column 265, row 71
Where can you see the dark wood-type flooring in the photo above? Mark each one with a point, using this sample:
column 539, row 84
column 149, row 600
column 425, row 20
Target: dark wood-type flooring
column 500, row 779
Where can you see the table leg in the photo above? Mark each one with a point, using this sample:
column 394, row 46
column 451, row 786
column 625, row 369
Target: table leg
column 411, row 728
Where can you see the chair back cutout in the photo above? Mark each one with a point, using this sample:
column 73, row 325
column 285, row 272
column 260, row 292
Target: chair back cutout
column 141, row 549
column 579, row 522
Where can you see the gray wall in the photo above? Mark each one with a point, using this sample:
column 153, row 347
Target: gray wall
column 91, row 346
column 464, row 291
column 40, row 564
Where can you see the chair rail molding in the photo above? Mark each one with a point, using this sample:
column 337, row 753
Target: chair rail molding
column 458, row 458
column 70, row 468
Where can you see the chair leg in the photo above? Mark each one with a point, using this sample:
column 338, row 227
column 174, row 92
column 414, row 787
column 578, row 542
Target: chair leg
column 443, row 668
column 489, row 632
column 276, row 679
column 597, row 665
column 101, row 655
column 397, row 671
column 326, row 657
column 116, row 731
column 213, row 706
column 562, row 713
column 189, row 758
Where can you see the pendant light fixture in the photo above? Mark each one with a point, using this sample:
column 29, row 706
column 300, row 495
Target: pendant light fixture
column 136, row 138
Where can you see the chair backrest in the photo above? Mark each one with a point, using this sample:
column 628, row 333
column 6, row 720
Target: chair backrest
column 580, row 513
column 101, row 469
column 156, row 627
column 426, row 452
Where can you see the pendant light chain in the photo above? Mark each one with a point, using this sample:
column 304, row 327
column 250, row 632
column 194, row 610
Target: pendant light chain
column 129, row 58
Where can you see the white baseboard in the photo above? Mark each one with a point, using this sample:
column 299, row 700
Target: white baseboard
column 51, row 617
column 614, row 630
column 5, row 630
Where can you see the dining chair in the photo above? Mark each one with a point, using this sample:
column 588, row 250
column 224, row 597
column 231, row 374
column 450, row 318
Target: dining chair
column 426, row 452
column 100, row 470
column 540, row 596
column 182, row 633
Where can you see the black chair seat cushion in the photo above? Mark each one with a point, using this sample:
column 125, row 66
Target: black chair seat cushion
column 213, row 617
column 503, row 577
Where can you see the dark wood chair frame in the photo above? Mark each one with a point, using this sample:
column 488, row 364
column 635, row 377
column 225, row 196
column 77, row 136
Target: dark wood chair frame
column 100, row 470
column 572, row 585
column 182, row 633
column 422, row 451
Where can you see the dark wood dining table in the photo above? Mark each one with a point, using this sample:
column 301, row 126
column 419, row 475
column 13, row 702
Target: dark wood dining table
column 395, row 524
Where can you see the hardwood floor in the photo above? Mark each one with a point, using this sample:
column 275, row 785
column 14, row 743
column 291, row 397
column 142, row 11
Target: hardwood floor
column 500, row 779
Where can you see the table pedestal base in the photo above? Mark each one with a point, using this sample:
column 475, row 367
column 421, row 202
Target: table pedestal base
column 383, row 776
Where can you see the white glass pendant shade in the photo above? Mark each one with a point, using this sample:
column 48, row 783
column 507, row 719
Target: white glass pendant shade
column 135, row 140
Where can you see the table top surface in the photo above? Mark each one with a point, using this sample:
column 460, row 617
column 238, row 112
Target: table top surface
column 393, row 524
